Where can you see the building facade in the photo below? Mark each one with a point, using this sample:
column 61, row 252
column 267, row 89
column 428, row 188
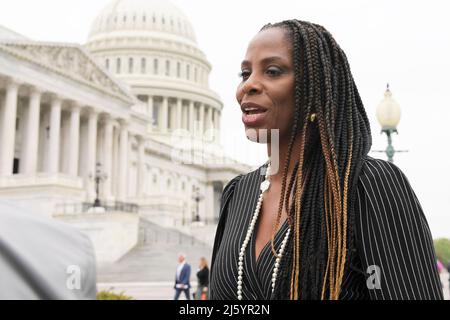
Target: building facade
column 133, row 108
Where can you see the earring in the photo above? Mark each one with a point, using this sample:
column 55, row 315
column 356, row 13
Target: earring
column 313, row 117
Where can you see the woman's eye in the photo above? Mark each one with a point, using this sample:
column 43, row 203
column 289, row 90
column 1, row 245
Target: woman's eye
column 244, row 74
column 274, row 71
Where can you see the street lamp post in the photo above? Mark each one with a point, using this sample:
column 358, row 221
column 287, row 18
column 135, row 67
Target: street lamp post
column 197, row 198
column 388, row 115
column 98, row 177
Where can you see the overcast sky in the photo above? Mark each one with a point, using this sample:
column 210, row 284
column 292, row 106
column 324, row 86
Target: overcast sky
column 405, row 43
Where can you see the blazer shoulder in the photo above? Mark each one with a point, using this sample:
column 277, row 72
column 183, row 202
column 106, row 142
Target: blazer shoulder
column 379, row 170
column 234, row 183
column 231, row 185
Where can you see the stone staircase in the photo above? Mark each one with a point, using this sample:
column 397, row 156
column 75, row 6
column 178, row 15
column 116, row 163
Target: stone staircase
column 154, row 259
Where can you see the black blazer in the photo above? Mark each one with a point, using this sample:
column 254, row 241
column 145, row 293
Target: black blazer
column 391, row 233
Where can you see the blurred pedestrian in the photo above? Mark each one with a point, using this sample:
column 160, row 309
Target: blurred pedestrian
column 182, row 277
column 202, row 280
column 448, row 269
column 440, row 266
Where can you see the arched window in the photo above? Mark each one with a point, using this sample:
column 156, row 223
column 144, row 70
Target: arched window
column 167, row 68
column 195, row 74
column 178, row 69
column 118, row 65
column 155, row 66
column 143, row 65
column 130, row 65
column 155, row 114
column 188, row 71
column 107, row 64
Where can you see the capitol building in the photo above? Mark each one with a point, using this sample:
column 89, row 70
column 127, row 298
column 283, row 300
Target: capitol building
column 127, row 119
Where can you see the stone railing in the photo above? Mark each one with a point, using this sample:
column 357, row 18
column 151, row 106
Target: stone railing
column 41, row 179
column 84, row 207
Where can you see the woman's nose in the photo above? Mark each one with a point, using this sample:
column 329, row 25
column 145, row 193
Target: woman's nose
column 252, row 85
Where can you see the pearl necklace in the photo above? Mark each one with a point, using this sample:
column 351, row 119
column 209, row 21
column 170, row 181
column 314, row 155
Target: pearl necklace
column 264, row 187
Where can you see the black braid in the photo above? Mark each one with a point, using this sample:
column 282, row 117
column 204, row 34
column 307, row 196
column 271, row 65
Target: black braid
column 323, row 85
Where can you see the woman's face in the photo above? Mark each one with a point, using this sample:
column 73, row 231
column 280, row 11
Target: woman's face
column 266, row 93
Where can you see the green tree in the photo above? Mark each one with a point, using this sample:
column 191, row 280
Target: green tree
column 442, row 247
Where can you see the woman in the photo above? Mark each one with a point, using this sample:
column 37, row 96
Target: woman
column 332, row 223
column 203, row 280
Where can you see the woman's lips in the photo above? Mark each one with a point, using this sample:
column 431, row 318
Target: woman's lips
column 255, row 118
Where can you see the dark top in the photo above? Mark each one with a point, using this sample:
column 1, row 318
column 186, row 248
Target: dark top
column 203, row 277
column 391, row 233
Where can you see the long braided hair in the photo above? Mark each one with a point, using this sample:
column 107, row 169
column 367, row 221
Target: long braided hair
column 324, row 179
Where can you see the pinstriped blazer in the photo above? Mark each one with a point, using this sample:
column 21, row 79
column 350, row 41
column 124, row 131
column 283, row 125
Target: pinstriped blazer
column 395, row 252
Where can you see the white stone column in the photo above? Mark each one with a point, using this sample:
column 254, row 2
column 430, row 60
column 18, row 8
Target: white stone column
column 116, row 157
column 208, row 122
column 213, row 118
column 31, row 142
column 208, row 115
column 209, row 202
column 92, row 150
column 191, row 117
column 185, row 116
column 107, row 156
column 217, row 125
column 55, row 133
column 74, row 139
column 150, row 112
column 164, row 115
column 179, row 113
column 8, row 127
column 141, row 176
column 202, row 120
column 123, row 161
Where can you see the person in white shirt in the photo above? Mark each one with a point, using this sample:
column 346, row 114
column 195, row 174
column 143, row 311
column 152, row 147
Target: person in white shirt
column 182, row 277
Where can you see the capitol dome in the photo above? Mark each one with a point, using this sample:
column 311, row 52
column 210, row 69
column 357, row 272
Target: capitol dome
column 150, row 46
column 141, row 17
